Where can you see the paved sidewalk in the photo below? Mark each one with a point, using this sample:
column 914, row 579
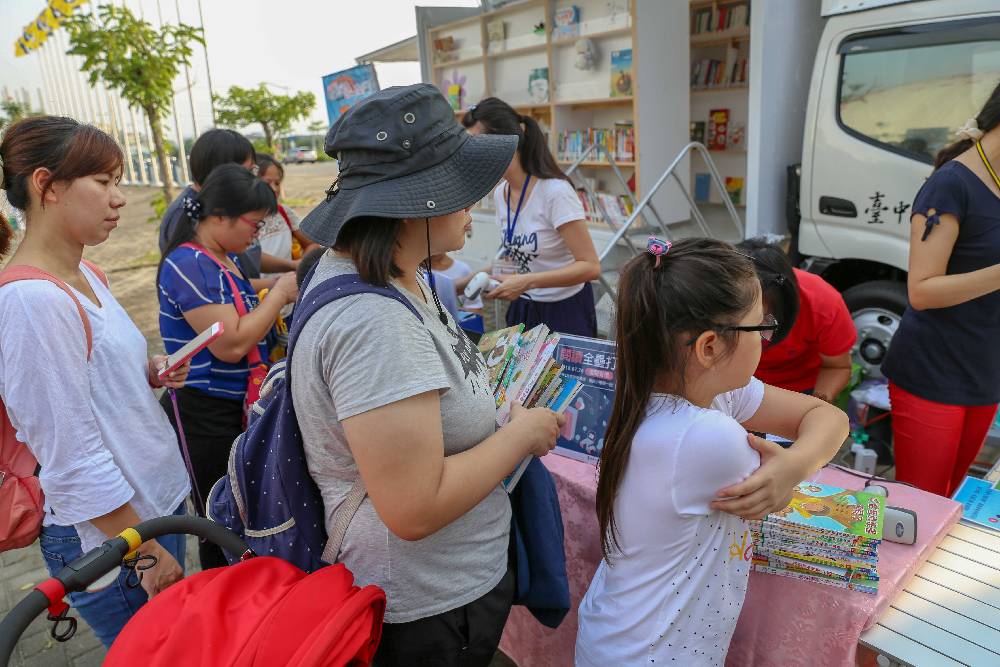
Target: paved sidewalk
column 20, row 571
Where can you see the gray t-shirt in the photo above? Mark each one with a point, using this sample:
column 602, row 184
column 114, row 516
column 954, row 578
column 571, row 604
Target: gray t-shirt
column 365, row 351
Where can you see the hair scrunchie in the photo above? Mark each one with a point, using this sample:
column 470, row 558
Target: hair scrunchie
column 192, row 207
column 970, row 131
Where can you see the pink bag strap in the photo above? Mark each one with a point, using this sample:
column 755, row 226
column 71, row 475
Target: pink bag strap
column 20, row 272
column 253, row 357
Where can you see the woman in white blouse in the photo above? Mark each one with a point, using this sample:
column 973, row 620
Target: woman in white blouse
column 107, row 454
column 549, row 258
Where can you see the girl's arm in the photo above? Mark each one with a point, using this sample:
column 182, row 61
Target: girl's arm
column 165, row 572
column 834, row 376
column 928, row 284
column 243, row 333
column 585, row 268
column 818, row 430
column 415, row 488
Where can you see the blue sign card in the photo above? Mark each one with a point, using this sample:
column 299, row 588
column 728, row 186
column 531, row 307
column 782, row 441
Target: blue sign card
column 592, row 362
column 344, row 89
column 980, row 502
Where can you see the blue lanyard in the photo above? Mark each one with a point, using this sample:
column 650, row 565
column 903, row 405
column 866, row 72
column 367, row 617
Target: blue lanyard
column 509, row 232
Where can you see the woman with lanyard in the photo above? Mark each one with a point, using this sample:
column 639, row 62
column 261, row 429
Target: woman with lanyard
column 549, row 258
column 201, row 281
column 944, row 362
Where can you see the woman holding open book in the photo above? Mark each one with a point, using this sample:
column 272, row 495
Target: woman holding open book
column 548, row 257
column 390, row 390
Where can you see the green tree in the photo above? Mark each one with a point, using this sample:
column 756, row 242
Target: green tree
column 318, row 127
column 11, row 111
column 275, row 113
column 140, row 62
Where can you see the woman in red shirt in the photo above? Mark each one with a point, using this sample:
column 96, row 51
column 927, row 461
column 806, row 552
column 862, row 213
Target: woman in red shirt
column 814, row 354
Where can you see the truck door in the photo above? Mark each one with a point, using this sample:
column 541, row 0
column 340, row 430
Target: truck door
column 890, row 98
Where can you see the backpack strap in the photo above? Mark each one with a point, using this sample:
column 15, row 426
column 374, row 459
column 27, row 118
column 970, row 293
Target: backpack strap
column 20, row 272
column 288, row 221
column 308, row 305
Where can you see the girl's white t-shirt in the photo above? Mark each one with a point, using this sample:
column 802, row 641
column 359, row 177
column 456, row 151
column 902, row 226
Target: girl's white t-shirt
column 276, row 236
column 100, row 436
column 675, row 590
column 457, row 271
column 536, row 244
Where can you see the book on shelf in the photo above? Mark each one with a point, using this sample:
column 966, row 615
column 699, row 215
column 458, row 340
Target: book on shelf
column 528, row 375
column 737, row 137
column 538, row 85
column 980, row 500
column 445, row 49
column 619, row 142
column 617, row 208
column 591, row 362
column 567, row 22
column 713, row 73
column 734, row 189
column 496, row 34
column 718, row 129
column 621, row 73
column 702, row 187
column 720, row 18
column 826, row 534
column 698, row 131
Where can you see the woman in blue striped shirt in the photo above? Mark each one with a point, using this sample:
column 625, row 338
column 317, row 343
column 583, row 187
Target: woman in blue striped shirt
column 199, row 282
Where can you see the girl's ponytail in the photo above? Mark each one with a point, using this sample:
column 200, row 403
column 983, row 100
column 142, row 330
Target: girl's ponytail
column 497, row 117
column 6, row 236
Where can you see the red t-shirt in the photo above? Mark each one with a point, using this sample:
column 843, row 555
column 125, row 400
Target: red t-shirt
column 824, row 326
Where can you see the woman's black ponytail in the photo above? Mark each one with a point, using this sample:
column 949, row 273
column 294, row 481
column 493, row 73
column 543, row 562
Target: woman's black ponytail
column 498, row 117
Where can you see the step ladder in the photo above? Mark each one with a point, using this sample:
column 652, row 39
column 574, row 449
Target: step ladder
column 629, row 238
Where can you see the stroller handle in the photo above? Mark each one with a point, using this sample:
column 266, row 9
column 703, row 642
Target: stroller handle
column 97, row 562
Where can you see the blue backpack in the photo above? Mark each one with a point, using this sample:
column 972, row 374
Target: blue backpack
column 268, row 496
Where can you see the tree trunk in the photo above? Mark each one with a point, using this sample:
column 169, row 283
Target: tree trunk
column 156, row 127
column 268, row 139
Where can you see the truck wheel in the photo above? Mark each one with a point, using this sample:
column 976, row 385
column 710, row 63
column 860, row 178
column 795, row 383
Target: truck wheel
column 876, row 308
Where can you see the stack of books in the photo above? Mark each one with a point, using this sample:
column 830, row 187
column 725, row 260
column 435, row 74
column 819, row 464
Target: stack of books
column 826, row 534
column 620, row 141
column 523, row 369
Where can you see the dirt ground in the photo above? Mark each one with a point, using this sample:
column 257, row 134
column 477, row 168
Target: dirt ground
column 131, row 254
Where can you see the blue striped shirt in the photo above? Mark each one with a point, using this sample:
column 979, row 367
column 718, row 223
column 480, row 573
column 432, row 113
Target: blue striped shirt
column 190, row 279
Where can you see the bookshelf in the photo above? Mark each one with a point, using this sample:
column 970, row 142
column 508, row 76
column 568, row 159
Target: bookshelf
column 503, row 53
column 720, row 71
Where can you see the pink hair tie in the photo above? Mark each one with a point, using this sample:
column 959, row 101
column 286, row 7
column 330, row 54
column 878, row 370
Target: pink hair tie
column 658, row 248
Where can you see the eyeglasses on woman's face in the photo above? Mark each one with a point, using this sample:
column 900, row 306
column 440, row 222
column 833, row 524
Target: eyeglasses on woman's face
column 256, row 224
column 766, row 328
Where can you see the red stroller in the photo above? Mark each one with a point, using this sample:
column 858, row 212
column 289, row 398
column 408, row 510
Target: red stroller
column 261, row 612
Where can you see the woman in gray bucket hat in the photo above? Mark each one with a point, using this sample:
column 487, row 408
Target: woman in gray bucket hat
column 405, row 401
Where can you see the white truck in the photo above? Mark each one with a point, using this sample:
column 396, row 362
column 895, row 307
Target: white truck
column 891, row 83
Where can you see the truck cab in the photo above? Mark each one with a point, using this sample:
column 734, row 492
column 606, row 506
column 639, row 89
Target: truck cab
column 891, row 83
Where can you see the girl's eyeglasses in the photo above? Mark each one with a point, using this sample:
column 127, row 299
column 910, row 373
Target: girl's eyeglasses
column 256, row 224
column 766, row 328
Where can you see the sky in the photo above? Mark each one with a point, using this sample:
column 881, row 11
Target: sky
column 288, row 43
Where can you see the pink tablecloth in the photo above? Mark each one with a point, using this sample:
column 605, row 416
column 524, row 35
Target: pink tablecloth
column 784, row 621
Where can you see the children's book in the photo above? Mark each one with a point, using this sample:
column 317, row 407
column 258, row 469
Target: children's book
column 698, row 131
column 734, row 188
column 718, row 129
column 702, row 187
column 498, row 347
column 567, row 22
column 538, row 85
column 980, row 502
column 591, row 362
column 824, row 509
column 621, row 73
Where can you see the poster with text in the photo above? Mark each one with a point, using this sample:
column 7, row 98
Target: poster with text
column 344, row 89
column 592, row 362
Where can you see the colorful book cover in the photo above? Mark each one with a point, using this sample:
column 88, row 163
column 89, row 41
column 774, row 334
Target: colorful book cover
column 980, row 502
column 621, row 73
column 540, row 365
column 538, row 85
column 591, row 362
column 530, row 346
column 734, row 188
column 832, row 510
column 702, row 187
column 497, row 348
column 718, row 129
column 346, row 88
column 567, row 21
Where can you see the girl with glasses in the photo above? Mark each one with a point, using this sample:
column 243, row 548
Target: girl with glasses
column 679, row 474
column 201, row 281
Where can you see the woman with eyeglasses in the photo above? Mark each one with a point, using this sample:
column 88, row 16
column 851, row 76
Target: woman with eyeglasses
column 201, row 282
column 811, row 351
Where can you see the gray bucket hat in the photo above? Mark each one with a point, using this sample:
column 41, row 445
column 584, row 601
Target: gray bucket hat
column 403, row 155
